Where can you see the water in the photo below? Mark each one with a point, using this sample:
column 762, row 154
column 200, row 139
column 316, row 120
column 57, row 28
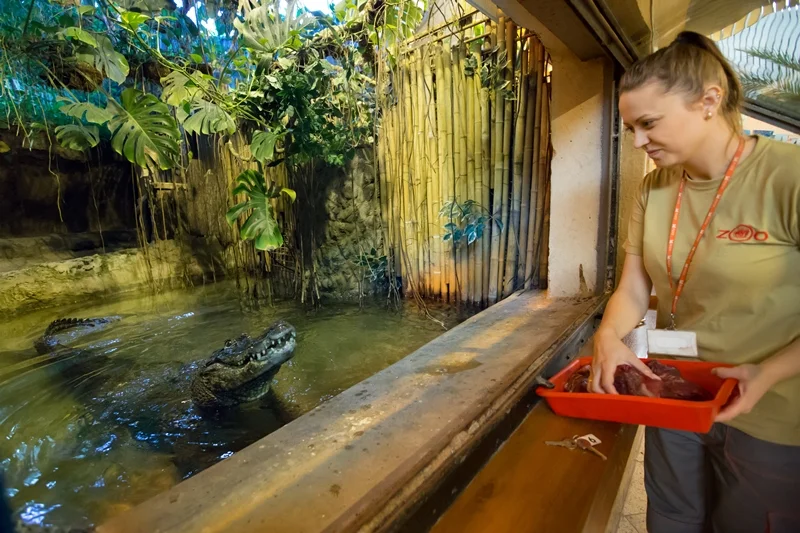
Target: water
column 93, row 432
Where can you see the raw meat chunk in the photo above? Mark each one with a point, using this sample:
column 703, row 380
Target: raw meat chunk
column 629, row 381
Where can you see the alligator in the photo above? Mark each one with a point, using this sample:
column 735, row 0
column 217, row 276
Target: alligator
column 243, row 369
column 68, row 329
column 118, row 421
column 239, row 372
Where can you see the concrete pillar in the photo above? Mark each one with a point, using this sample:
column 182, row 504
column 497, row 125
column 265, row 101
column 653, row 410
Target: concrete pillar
column 632, row 168
column 578, row 168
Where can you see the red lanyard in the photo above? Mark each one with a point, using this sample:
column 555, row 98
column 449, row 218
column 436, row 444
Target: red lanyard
column 674, row 229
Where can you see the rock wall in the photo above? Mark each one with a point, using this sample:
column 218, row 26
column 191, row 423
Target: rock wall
column 90, row 248
column 164, row 265
column 351, row 233
column 45, row 190
column 340, row 214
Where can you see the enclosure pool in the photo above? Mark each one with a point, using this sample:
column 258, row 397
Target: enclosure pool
column 94, row 431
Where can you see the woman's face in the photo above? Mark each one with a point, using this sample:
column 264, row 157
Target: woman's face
column 668, row 128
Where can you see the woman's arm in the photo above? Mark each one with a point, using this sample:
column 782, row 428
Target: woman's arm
column 625, row 309
column 756, row 380
column 629, row 302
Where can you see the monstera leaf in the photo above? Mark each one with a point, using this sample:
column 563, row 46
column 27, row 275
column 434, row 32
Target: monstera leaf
column 81, row 35
column 263, row 145
column 264, row 29
column 143, row 130
column 85, row 111
column 77, row 136
column 180, row 88
column 208, row 117
column 104, row 58
column 260, row 225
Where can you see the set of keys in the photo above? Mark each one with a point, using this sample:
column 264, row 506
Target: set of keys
column 585, row 442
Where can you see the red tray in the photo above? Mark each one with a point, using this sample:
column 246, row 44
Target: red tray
column 657, row 412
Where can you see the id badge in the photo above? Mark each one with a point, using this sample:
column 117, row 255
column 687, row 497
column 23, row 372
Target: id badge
column 672, row 342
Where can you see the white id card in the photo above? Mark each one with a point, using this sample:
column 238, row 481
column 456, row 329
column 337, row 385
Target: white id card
column 672, row 342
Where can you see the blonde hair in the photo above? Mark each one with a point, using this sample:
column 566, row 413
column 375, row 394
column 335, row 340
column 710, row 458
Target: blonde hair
column 687, row 65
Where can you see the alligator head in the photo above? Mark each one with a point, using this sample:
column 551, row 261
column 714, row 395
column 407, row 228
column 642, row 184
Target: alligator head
column 242, row 370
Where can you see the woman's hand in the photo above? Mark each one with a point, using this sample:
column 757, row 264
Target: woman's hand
column 753, row 384
column 609, row 353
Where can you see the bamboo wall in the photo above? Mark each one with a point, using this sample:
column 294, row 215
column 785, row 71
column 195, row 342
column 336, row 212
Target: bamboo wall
column 448, row 135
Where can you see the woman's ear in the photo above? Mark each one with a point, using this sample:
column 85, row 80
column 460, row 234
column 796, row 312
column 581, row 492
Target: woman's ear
column 711, row 101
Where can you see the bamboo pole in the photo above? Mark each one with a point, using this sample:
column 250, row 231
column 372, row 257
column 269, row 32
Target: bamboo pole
column 449, row 184
column 516, row 199
column 532, row 260
column 460, row 116
column 527, row 160
column 469, row 96
column 444, row 158
column 508, row 111
column 383, row 174
column 409, row 244
column 486, row 177
column 421, row 166
column 544, row 208
column 477, row 188
column 434, row 236
column 394, row 157
column 497, row 145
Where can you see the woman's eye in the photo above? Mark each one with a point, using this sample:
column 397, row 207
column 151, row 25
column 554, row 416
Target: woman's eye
column 647, row 124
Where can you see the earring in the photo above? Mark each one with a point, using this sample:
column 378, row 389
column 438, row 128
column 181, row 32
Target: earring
column 709, row 114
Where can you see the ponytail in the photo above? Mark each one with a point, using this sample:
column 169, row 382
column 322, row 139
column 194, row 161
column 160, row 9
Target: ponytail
column 687, row 65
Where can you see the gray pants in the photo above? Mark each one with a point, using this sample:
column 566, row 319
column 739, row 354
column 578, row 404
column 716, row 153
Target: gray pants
column 724, row 481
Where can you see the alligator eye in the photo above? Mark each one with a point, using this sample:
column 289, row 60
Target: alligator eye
column 228, row 343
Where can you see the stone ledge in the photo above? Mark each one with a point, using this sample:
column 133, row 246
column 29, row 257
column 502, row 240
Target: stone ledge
column 356, row 461
column 70, row 280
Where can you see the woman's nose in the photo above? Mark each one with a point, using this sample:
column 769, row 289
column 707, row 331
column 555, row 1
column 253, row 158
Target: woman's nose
column 640, row 139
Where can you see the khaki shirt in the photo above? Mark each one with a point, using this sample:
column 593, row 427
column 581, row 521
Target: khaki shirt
column 742, row 292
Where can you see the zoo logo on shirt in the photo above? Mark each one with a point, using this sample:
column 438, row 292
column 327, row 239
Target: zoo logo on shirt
column 743, row 233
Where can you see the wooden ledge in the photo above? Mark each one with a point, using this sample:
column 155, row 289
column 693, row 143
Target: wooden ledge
column 528, row 486
column 531, row 487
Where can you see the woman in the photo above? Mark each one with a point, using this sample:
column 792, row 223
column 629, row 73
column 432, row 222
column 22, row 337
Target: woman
column 741, row 294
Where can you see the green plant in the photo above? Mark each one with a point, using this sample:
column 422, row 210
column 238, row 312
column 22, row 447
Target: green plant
column 781, row 84
column 260, row 224
column 374, row 264
column 140, row 128
column 466, row 221
column 492, row 75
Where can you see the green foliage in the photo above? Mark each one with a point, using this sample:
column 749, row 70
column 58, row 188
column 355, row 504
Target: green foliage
column 265, row 30
column 143, row 130
column 85, row 111
column 260, row 225
column 77, row 136
column 375, row 265
column 492, row 76
column 263, row 146
column 180, row 87
column 467, row 221
column 781, row 85
column 105, row 59
column 207, row 117
column 131, row 20
column 81, row 35
column 135, row 71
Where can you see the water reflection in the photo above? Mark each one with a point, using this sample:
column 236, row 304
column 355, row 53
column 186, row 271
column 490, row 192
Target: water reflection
column 93, row 430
